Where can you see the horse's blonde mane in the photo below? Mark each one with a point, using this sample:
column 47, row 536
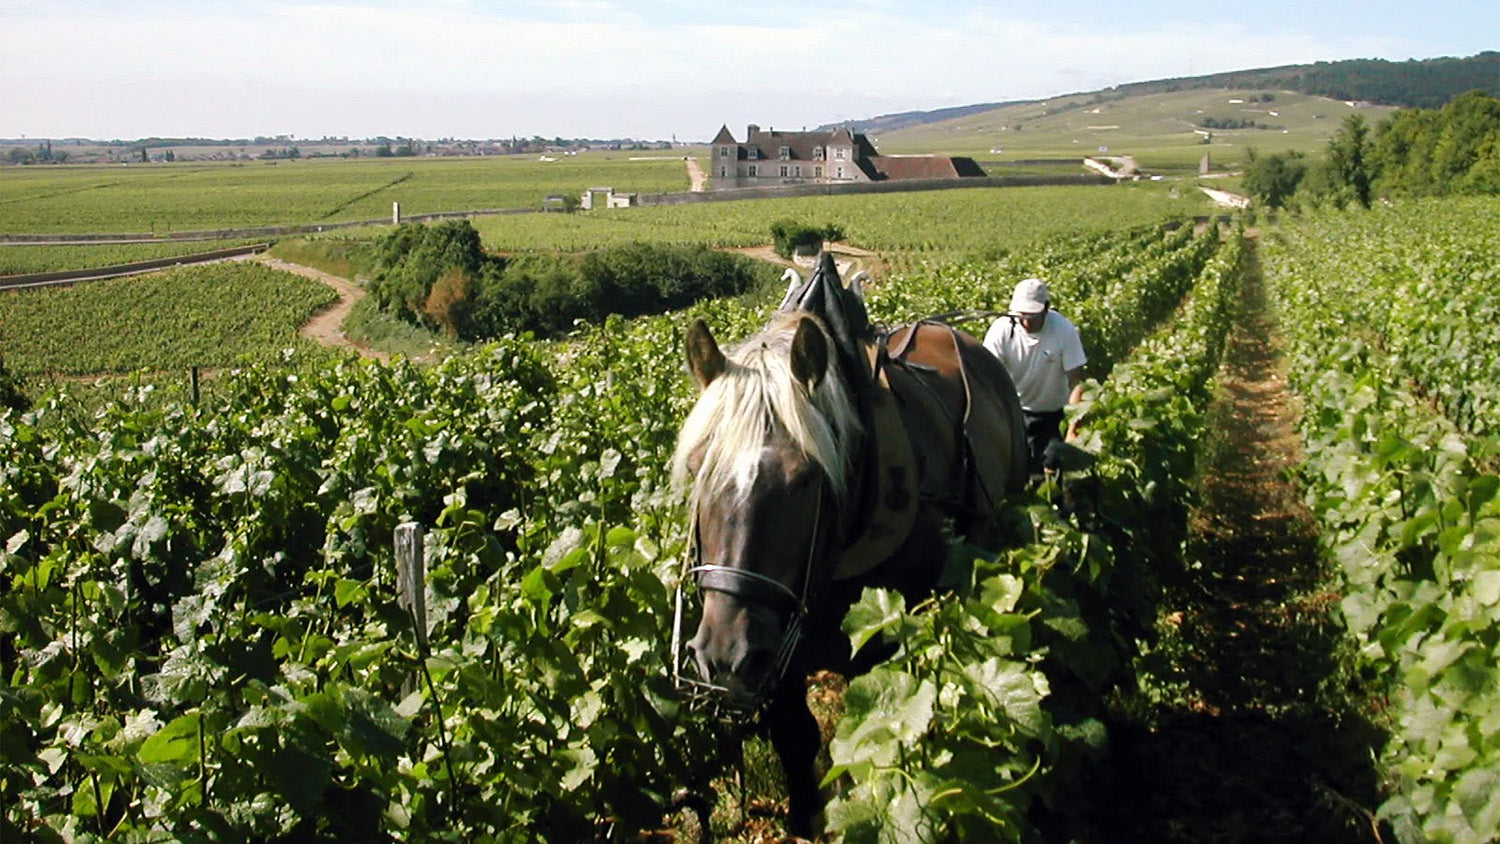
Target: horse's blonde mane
column 757, row 390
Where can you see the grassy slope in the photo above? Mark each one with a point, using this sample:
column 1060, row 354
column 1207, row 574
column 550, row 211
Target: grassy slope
column 1157, row 129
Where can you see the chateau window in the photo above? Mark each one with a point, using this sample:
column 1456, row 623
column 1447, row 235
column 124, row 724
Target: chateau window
column 724, row 151
column 724, row 171
column 839, row 153
column 753, row 170
column 784, row 171
column 818, row 172
column 841, row 171
column 797, row 170
column 817, row 153
column 785, row 153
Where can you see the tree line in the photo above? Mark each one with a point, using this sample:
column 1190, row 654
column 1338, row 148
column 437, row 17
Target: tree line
column 1414, row 152
column 1417, row 83
column 439, row 277
column 1235, row 123
column 43, row 154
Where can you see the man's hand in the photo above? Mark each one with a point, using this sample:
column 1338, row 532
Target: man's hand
column 1075, row 385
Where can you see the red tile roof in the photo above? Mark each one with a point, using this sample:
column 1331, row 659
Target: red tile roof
column 924, row 167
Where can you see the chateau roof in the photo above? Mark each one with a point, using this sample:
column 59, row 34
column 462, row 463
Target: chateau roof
column 801, row 146
column 924, row 167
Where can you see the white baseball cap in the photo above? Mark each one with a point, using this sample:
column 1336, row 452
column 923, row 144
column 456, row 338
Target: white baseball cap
column 1030, row 297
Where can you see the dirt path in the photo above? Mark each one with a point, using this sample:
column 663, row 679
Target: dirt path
column 1251, row 733
column 327, row 326
column 696, row 176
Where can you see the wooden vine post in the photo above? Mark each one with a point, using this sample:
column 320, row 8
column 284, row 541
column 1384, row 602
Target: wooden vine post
column 411, row 595
column 411, row 579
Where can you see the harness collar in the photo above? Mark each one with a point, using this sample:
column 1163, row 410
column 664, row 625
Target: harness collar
column 891, row 495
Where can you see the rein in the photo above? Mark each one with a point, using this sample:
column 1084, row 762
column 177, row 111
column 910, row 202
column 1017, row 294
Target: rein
column 969, row 315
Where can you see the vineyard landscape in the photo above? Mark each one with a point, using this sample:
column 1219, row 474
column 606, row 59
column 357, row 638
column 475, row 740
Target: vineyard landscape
column 1270, row 611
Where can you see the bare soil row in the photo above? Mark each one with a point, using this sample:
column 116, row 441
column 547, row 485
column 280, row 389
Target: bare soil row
column 1254, row 730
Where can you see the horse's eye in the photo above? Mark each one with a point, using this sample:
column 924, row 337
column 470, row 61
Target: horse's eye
column 801, row 480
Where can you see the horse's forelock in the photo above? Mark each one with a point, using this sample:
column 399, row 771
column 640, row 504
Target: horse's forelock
column 729, row 425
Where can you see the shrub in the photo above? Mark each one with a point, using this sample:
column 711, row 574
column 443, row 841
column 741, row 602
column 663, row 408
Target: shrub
column 789, row 236
column 439, row 277
column 412, row 258
column 10, row 391
column 547, row 295
column 448, row 301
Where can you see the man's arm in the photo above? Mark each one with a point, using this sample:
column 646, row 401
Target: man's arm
column 1075, row 395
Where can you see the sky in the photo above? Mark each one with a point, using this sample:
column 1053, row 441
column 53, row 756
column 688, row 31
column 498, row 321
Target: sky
column 480, row 69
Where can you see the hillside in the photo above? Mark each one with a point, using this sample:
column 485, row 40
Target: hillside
column 1165, row 132
column 1425, row 83
column 1417, row 83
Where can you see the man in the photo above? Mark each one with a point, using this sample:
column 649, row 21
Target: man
column 1041, row 350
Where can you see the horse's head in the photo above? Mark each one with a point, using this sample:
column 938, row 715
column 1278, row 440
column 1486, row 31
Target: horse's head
column 765, row 453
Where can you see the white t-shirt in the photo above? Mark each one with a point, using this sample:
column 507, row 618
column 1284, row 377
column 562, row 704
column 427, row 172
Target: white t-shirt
column 1039, row 363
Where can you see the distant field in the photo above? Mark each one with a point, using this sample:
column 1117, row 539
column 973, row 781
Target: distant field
column 1158, row 130
column 215, row 315
column 931, row 223
column 19, row 258
column 163, row 198
column 211, row 315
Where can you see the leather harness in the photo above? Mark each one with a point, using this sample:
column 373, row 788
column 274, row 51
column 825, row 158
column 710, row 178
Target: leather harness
column 894, row 496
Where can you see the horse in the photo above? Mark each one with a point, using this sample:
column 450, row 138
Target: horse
column 819, row 459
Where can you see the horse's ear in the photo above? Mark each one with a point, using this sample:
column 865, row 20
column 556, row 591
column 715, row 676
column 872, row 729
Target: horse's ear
column 705, row 360
column 809, row 353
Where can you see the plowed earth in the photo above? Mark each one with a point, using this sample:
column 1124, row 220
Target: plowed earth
column 1262, row 736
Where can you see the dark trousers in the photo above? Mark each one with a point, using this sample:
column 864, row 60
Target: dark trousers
column 1041, row 429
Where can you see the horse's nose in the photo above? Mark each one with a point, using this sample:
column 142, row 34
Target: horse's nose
column 737, row 664
column 701, row 660
column 754, row 665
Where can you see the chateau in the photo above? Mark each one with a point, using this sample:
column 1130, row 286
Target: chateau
column 770, row 158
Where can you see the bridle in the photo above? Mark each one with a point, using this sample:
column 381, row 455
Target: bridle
column 752, row 587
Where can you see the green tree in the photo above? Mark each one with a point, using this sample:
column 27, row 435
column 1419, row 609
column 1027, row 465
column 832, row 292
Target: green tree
column 1401, row 150
column 1431, row 153
column 1484, row 175
column 1273, row 179
column 1347, row 151
column 1469, row 124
